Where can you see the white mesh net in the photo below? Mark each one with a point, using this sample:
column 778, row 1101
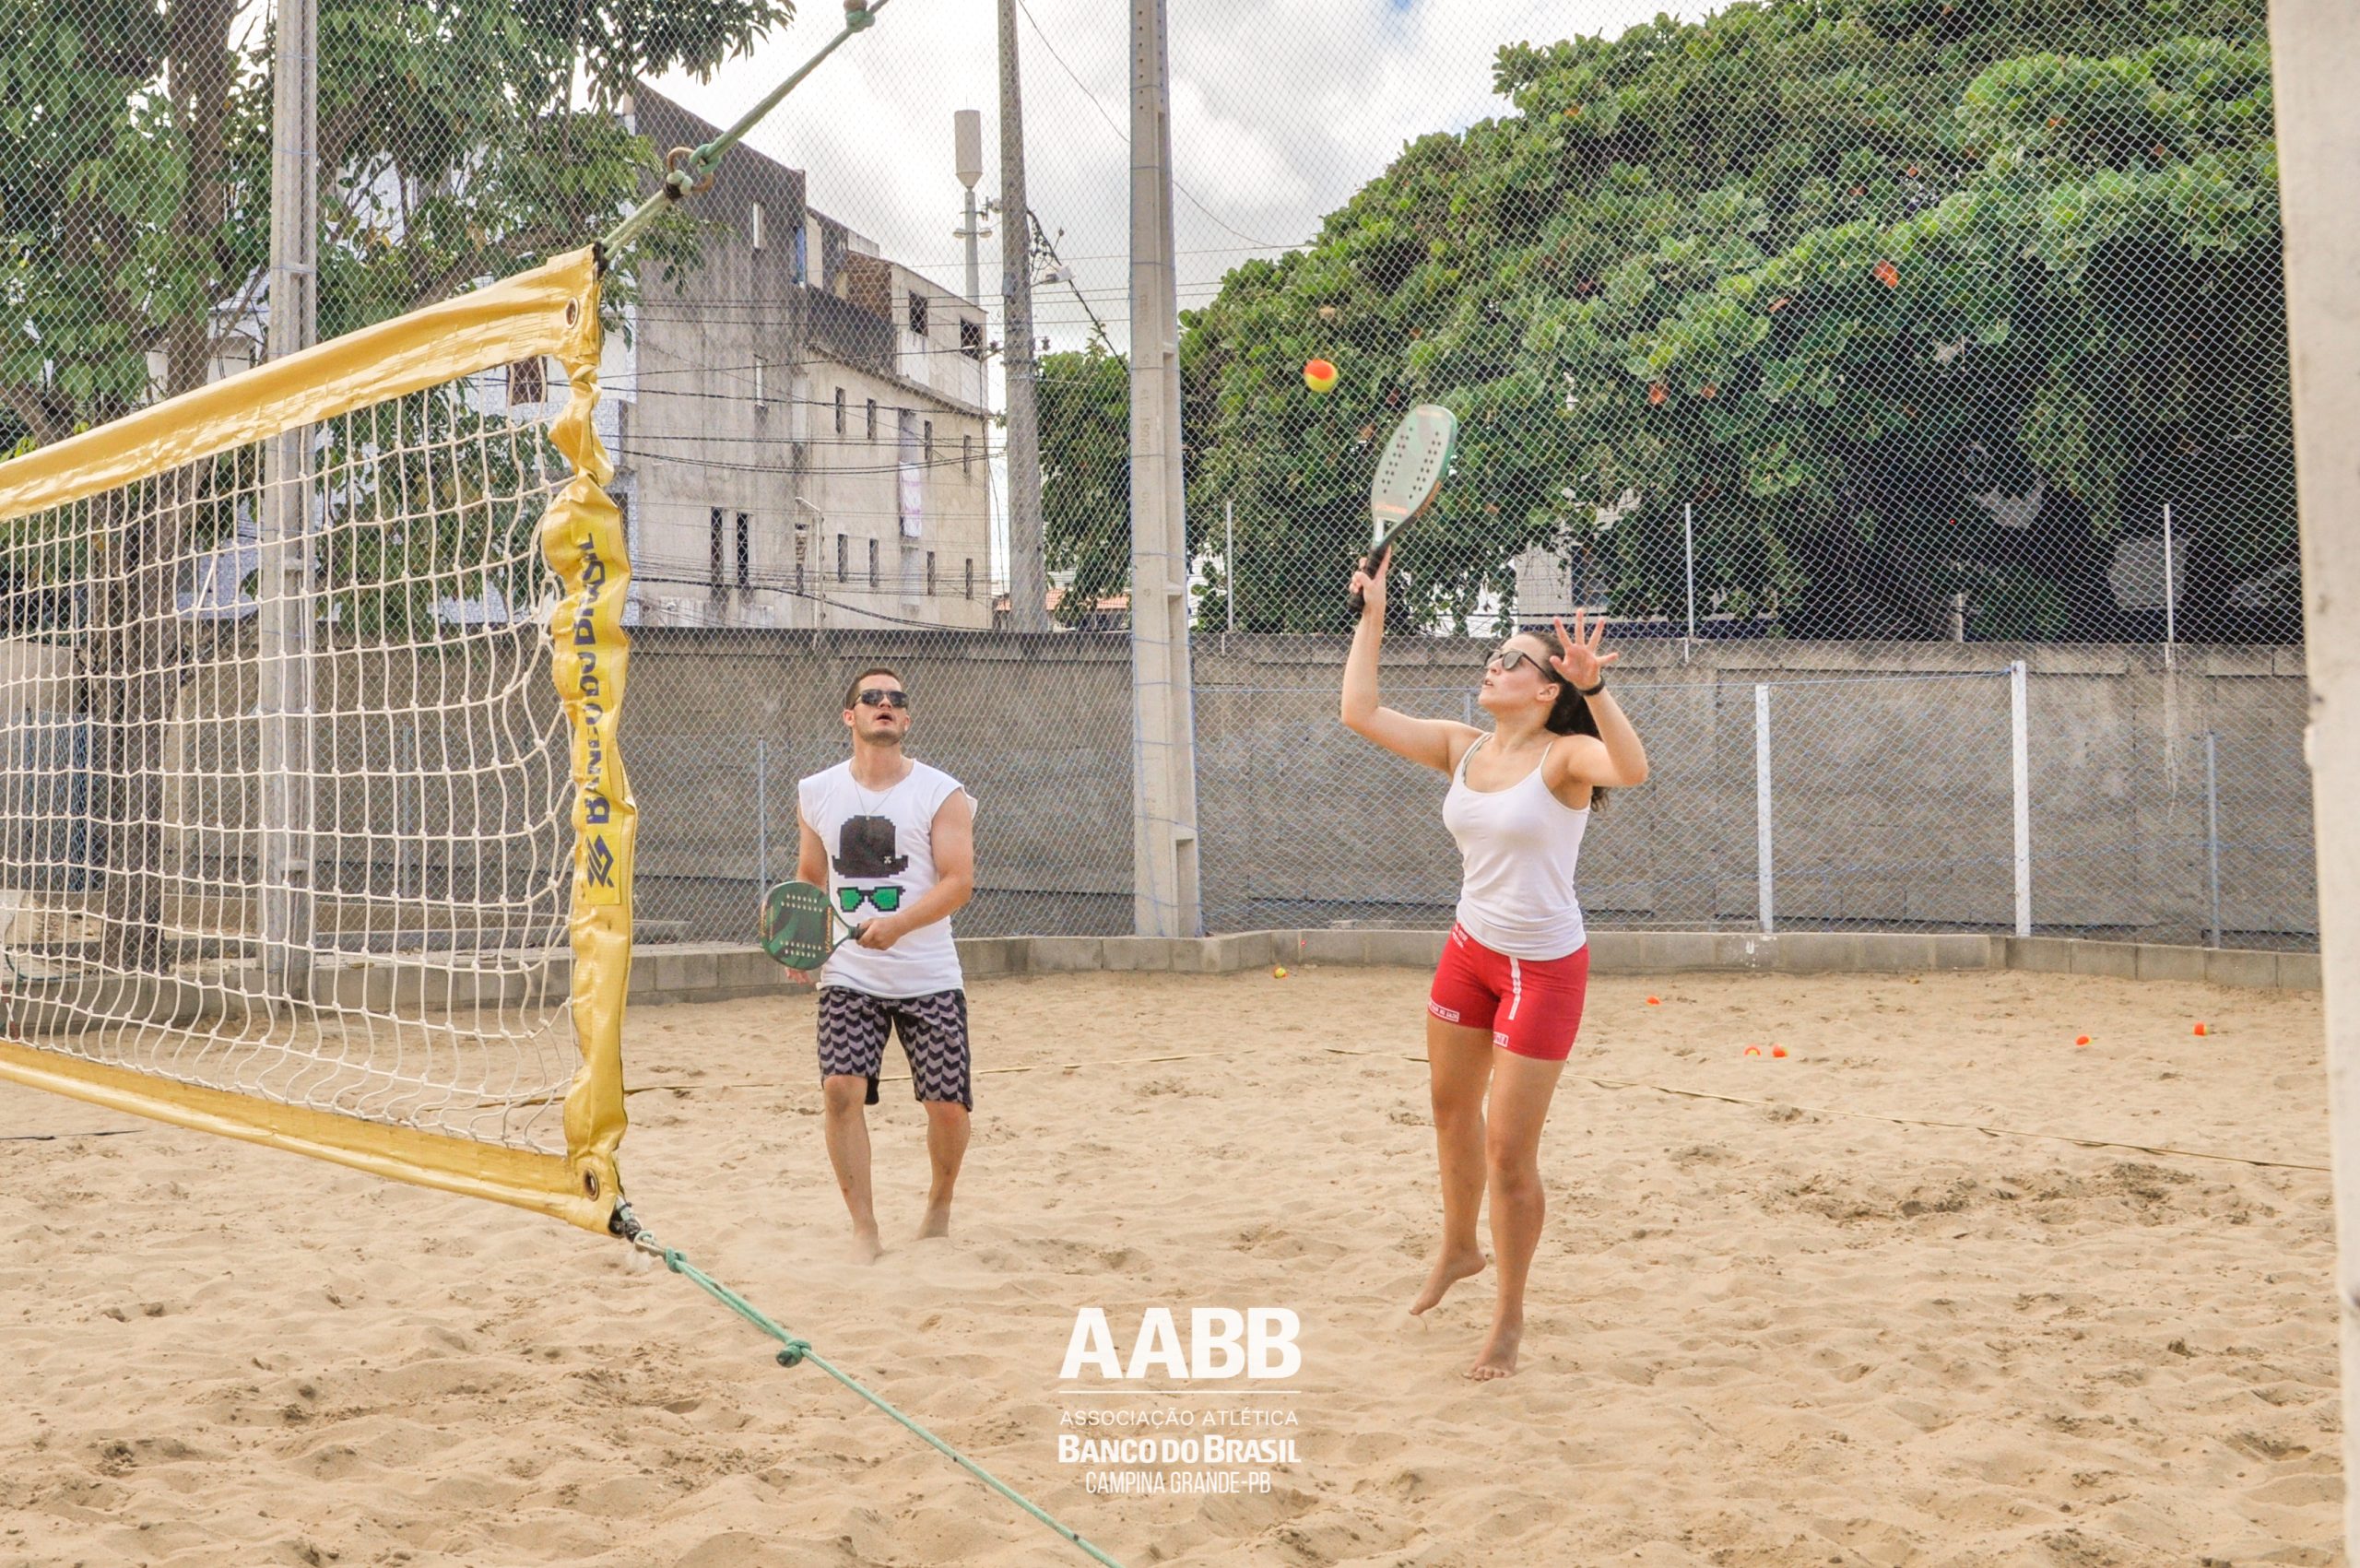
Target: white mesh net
column 287, row 808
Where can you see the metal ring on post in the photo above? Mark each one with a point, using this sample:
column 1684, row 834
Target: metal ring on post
column 699, row 183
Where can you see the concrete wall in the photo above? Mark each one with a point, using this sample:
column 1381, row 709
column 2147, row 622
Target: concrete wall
column 1891, row 772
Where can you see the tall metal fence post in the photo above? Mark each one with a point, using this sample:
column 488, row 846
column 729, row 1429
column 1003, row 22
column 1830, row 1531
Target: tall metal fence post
column 1688, row 543
column 2212, row 826
column 761, row 814
column 2171, row 591
column 2019, row 747
column 1761, row 806
column 1229, row 556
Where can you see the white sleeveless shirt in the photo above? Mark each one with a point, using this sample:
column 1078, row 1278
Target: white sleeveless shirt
column 884, row 839
column 1518, row 847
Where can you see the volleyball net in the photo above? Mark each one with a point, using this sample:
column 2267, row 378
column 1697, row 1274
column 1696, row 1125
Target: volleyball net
column 317, row 834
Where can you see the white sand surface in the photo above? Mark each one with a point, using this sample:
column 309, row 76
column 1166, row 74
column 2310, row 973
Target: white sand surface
column 1777, row 1319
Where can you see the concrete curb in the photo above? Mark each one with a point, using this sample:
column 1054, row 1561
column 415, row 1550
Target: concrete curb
column 718, row 972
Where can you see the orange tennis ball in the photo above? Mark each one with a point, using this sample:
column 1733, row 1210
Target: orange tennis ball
column 1655, row 1001
column 1278, row 971
column 1319, row 375
column 2202, row 1030
column 2081, row 1040
column 1777, row 1050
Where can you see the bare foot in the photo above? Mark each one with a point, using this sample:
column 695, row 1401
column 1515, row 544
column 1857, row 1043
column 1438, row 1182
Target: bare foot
column 1449, row 1269
column 866, row 1248
column 1498, row 1359
column 936, row 1221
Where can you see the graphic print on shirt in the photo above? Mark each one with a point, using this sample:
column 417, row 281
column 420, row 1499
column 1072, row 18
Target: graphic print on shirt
column 865, row 849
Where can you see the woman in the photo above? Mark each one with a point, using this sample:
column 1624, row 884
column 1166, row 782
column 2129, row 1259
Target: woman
column 1507, row 997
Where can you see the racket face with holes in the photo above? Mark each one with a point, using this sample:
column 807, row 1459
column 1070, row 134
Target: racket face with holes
column 796, row 926
column 1410, row 474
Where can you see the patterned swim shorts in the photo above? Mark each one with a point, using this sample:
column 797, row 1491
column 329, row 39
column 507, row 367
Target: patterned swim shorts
column 852, row 1026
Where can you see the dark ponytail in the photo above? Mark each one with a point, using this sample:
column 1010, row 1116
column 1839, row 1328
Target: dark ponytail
column 1570, row 714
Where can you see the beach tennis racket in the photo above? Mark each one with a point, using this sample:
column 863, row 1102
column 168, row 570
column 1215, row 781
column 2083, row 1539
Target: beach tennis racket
column 1408, row 476
column 799, row 928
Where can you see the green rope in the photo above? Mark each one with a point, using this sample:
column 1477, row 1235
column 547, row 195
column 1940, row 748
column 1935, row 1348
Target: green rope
column 695, row 172
column 796, row 1351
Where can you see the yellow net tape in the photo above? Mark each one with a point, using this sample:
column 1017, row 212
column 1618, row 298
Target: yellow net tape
column 551, row 311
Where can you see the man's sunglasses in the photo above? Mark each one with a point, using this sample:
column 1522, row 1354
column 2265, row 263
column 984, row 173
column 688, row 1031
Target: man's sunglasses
column 887, row 899
column 877, row 697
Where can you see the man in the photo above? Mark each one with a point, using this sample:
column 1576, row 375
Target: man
column 892, row 841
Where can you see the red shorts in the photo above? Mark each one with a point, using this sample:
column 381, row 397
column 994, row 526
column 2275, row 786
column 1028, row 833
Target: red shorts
column 1533, row 1007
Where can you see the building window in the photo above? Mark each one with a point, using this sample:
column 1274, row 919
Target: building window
column 917, row 313
column 754, row 225
column 761, row 379
column 872, row 563
column 528, row 381
column 971, row 338
column 971, row 576
column 872, row 419
column 802, row 255
column 840, row 558
column 929, row 443
column 929, row 575
column 840, row 411
column 966, row 457
column 713, row 563
column 745, row 551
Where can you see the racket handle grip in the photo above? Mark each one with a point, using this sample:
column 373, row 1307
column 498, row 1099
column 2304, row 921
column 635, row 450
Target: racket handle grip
column 1369, row 563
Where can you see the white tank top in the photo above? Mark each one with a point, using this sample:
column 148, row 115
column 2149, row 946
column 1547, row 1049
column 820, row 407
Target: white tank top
column 884, row 839
column 1518, row 847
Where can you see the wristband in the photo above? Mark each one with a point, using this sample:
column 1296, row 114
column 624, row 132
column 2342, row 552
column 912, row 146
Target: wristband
column 1592, row 691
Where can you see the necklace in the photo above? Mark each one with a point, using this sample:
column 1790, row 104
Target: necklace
column 873, row 807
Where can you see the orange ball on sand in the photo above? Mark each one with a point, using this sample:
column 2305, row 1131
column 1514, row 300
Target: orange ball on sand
column 1319, row 375
column 2202, row 1030
column 2081, row 1040
column 1777, row 1050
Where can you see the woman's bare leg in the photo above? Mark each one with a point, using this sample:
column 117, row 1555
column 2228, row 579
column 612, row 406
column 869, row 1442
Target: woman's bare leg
column 1458, row 1066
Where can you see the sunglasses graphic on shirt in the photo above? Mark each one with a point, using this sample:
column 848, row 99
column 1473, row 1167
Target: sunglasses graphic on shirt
column 886, row 900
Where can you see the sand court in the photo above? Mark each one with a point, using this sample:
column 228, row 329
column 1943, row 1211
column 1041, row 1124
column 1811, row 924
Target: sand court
column 1779, row 1315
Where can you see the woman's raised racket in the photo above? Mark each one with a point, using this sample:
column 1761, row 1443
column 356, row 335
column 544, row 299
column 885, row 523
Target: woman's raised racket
column 799, row 928
column 1408, row 476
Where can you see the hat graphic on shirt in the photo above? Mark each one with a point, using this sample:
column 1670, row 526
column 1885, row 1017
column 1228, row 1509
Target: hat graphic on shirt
column 865, row 848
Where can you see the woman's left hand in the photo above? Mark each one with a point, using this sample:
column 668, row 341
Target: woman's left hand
column 1577, row 658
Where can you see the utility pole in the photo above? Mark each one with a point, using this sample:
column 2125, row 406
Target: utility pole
column 2312, row 45
column 1164, row 729
column 284, row 581
column 967, row 136
column 1027, row 582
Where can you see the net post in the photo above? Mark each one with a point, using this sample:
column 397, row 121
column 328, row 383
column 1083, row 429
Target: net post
column 2020, row 755
column 285, row 618
column 1762, row 857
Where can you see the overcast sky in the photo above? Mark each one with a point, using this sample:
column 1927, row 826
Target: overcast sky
column 1281, row 110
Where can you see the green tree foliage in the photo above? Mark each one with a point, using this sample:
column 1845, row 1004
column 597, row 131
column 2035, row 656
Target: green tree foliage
column 458, row 140
column 1085, row 414
column 1906, row 297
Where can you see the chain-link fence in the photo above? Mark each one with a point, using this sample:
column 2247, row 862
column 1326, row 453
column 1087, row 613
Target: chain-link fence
column 1841, row 355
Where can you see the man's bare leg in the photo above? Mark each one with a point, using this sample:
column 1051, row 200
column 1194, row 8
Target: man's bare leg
column 1521, row 1089
column 1458, row 1065
column 847, row 1128
column 945, row 1145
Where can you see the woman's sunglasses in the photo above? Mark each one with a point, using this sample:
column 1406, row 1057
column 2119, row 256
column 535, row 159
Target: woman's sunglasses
column 1508, row 658
column 877, row 697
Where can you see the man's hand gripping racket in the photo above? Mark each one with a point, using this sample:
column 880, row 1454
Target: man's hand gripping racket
column 799, row 928
column 1408, row 476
